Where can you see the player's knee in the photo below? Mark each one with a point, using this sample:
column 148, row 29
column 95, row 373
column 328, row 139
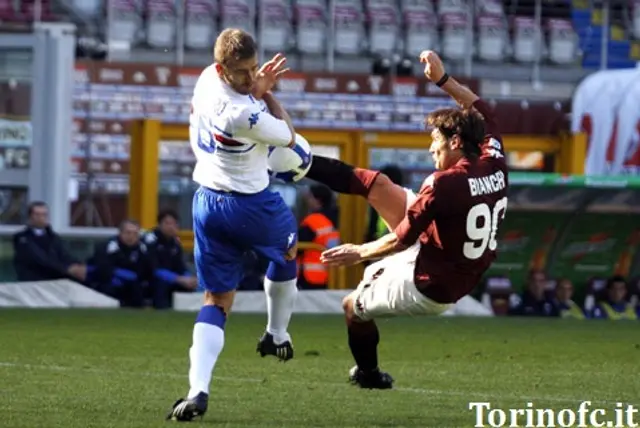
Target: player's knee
column 381, row 183
column 348, row 307
column 346, row 304
column 281, row 273
column 223, row 300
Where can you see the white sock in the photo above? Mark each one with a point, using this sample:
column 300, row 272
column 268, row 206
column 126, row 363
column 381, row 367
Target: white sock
column 208, row 341
column 281, row 297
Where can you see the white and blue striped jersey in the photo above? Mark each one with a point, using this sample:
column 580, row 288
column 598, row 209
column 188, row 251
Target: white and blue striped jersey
column 230, row 136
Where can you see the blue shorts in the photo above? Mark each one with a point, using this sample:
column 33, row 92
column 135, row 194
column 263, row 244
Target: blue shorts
column 226, row 225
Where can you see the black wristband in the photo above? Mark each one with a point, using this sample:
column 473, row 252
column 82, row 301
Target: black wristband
column 442, row 80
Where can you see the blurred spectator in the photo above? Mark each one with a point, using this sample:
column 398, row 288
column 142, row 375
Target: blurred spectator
column 533, row 301
column 499, row 295
column 615, row 306
column 39, row 253
column 594, row 293
column 563, row 305
column 317, row 228
column 167, row 257
column 377, row 227
column 123, row 267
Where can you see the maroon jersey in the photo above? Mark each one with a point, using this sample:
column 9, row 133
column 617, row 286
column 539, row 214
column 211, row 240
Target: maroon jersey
column 456, row 218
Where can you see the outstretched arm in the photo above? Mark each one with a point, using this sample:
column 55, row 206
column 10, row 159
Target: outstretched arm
column 350, row 254
column 419, row 215
column 465, row 97
column 252, row 123
column 279, row 112
column 434, row 71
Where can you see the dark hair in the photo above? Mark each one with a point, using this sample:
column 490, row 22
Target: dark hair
column 35, row 204
column 614, row 279
column 323, row 194
column 234, row 45
column 468, row 124
column 167, row 213
column 394, row 173
column 531, row 274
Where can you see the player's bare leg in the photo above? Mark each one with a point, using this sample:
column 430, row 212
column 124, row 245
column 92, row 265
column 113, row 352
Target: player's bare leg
column 208, row 341
column 386, row 197
column 363, row 341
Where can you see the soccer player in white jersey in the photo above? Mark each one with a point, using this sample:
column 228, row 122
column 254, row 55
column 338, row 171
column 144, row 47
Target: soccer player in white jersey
column 234, row 120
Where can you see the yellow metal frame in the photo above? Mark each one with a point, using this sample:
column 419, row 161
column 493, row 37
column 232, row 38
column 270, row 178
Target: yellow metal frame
column 146, row 135
column 354, row 148
column 569, row 150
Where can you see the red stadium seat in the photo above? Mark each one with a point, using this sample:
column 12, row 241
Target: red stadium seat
column 238, row 14
column 383, row 25
column 126, row 22
column 161, row 23
column 275, row 34
column 349, row 28
column 7, row 12
column 201, row 24
column 29, row 10
column 420, row 27
column 310, row 19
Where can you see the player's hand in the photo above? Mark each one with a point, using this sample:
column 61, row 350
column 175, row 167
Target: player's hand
column 292, row 254
column 78, row 271
column 188, row 282
column 342, row 255
column 268, row 75
column 433, row 67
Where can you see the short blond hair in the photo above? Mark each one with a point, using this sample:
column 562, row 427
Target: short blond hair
column 234, row 45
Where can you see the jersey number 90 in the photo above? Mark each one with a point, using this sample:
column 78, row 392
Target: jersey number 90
column 483, row 236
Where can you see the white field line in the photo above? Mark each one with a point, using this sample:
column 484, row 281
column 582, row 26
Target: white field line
column 432, row 392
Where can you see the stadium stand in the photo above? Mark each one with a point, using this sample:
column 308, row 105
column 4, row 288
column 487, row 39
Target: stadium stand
column 504, row 31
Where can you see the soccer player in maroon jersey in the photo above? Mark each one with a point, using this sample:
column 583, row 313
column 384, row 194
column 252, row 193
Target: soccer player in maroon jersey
column 443, row 239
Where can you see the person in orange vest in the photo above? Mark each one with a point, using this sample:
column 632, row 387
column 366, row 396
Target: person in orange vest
column 318, row 227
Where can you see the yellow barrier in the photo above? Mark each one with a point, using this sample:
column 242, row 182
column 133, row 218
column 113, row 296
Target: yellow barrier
column 353, row 147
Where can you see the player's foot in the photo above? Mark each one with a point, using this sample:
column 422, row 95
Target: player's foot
column 266, row 346
column 370, row 380
column 186, row 409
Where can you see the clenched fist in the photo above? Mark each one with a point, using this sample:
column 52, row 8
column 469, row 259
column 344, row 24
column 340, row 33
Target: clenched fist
column 433, row 67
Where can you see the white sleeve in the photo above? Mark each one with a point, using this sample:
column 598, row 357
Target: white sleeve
column 250, row 122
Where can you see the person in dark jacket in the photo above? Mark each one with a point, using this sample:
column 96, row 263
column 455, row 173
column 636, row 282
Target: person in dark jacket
column 123, row 267
column 39, row 253
column 534, row 301
column 171, row 273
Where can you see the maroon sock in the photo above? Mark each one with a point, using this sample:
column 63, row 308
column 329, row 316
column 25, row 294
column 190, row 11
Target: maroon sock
column 363, row 342
column 341, row 177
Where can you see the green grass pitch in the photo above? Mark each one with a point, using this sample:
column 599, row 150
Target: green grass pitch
column 95, row 368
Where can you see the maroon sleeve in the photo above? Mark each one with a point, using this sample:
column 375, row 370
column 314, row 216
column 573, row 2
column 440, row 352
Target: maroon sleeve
column 492, row 145
column 419, row 215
